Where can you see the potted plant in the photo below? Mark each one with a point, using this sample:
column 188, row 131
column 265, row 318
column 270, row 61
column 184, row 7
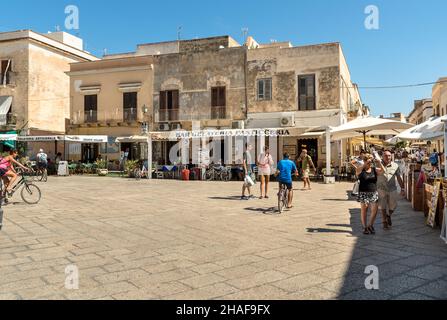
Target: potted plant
column 101, row 167
column 130, row 166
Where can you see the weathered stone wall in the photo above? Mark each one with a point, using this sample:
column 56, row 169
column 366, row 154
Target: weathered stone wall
column 284, row 65
column 206, row 44
column 194, row 73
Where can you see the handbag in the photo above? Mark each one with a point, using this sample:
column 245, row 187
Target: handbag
column 355, row 189
column 249, row 181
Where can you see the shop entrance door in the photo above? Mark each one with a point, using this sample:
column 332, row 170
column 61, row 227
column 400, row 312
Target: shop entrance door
column 311, row 145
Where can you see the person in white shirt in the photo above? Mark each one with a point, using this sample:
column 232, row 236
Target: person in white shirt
column 265, row 163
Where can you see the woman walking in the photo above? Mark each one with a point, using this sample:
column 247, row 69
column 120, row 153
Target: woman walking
column 368, row 195
column 265, row 162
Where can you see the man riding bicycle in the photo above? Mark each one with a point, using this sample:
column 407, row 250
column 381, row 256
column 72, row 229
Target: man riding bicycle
column 42, row 160
column 285, row 169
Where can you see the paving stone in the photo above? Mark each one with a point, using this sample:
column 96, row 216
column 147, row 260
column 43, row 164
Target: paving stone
column 436, row 289
column 418, row 260
column 400, row 284
column 216, row 248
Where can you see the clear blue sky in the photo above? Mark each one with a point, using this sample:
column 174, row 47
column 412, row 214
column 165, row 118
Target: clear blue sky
column 409, row 47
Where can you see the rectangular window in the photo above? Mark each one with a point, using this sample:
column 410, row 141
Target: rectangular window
column 306, row 92
column 130, row 106
column 218, row 103
column 265, row 89
column 5, row 72
column 91, row 108
column 169, row 105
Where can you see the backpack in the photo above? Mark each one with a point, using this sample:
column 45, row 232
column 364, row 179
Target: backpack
column 434, row 159
column 42, row 158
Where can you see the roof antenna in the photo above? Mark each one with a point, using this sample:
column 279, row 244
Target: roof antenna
column 179, row 33
column 244, row 34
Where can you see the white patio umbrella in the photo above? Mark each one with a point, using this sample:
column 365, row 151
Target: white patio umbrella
column 432, row 129
column 368, row 126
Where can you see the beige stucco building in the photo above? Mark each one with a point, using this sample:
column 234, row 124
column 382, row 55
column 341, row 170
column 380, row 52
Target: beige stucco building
column 422, row 111
column 34, row 89
column 110, row 97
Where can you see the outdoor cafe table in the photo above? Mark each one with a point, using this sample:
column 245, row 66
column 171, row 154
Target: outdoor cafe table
column 169, row 170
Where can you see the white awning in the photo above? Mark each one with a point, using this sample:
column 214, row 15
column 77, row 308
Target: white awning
column 87, row 139
column 5, row 106
column 312, row 135
column 8, row 137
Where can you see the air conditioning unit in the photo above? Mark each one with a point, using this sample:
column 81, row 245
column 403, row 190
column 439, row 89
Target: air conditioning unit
column 176, row 126
column 287, row 121
column 163, row 127
column 238, row 125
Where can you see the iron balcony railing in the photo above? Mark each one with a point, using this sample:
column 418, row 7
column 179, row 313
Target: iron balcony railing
column 209, row 113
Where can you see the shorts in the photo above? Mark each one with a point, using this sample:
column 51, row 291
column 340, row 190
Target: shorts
column 264, row 171
column 289, row 185
column 368, row 197
column 42, row 165
column 306, row 173
column 388, row 200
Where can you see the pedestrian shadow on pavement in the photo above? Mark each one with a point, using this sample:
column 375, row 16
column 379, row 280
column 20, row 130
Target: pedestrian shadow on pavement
column 324, row 230
column 238, row 198
column 272, row 210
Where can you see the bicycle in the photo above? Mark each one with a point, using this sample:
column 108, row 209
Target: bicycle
column 140, row 173
column 218, row 173
column 283, row 197
column 30, row 193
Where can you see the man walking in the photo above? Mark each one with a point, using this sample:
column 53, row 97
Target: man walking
column 247, row 165
column 306, row 163
column 386, row 185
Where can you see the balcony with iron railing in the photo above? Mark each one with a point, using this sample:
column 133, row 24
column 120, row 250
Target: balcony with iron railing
column 106, row 117
column 130, row 115
column 208, row 113
column 8, row 120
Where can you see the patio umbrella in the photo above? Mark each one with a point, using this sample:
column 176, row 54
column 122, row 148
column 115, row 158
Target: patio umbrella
column 432, row 129
column 368, row 126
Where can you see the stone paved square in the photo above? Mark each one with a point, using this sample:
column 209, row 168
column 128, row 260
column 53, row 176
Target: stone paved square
column 168, row 239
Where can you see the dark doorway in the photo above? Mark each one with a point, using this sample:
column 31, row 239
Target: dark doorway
column 89, row 152
column 311, row 145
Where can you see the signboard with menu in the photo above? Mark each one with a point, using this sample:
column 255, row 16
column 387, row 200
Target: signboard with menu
column 431, row 218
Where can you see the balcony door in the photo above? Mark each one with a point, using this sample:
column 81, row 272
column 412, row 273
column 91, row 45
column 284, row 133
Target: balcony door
column 130, row 106
column 91, row 108
column 218, row 103
column 169, row 105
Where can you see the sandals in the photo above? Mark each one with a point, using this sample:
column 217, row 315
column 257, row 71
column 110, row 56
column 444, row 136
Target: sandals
column 366, row 230
column 371, row 230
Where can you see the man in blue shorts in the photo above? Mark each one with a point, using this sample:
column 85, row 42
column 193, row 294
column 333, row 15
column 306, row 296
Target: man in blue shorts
column 285, row 169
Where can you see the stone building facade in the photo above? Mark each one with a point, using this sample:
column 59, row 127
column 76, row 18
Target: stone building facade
column 35, row 84
column 218, row 83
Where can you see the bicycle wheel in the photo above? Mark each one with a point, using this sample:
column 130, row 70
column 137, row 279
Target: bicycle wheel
column 30, row 193
column 209, row 175
column 137, row 174
column 281, row 196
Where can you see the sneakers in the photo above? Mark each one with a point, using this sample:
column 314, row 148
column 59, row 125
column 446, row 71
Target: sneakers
column 244, row 198
column 247, row 198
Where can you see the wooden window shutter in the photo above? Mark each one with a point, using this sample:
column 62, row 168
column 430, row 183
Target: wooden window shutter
column 175, row 99
column 214, row 97
column 268, row 89
column 162, row 99
column 222, row 97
